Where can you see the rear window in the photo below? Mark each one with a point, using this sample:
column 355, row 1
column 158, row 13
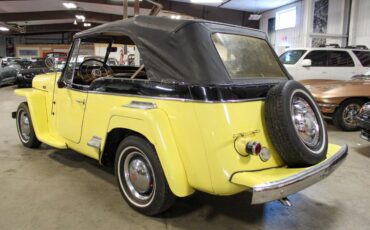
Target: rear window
column 291, row 57
column 364, row 57
column 247, row 57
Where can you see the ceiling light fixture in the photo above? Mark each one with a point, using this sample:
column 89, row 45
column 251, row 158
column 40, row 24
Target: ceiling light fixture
column 80, row 17
column 3, row 28
column 86, row 24
column 69, row 5
column 254, row 17
column 206, row 1
column 173, row 16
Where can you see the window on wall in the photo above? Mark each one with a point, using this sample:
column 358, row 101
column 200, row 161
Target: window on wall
column 286, row 18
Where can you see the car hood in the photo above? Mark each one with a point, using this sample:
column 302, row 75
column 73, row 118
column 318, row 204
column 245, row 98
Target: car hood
column 337, row 88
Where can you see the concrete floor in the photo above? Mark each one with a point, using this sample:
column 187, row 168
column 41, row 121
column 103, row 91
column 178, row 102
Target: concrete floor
column 60, row 189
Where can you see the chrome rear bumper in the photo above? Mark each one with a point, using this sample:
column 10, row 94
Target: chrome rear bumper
column 282, row 188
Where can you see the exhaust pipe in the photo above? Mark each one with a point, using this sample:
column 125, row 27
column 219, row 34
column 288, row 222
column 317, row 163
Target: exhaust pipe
column 285, row 201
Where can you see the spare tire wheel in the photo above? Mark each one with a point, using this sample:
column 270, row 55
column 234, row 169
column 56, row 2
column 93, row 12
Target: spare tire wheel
column 295, row 125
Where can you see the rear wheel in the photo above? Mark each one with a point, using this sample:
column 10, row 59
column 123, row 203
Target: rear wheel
column 140, row 177
column 345, row 114
column 25, row 129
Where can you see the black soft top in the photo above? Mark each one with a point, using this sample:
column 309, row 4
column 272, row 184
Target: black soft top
column 174, row 51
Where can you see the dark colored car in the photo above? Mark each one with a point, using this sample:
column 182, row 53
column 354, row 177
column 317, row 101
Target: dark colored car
column 25, row 76
column 363, row 120
column 9, row 71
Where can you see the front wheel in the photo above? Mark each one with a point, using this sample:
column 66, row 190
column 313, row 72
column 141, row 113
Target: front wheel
column 25, row 129
column 140, row 177
column 345, row 116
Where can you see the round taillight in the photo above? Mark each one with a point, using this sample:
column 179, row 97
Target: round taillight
column 254, row 147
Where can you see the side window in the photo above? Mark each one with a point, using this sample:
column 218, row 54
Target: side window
column 364, row 57
column 318, row 57
column 340, row 59
column 71, row 63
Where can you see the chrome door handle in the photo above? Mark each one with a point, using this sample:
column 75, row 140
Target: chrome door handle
column 81, row 101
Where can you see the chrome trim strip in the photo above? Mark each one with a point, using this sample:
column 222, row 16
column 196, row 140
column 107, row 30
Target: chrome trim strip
column 141, row 105
column 95, row 142
column 175, row 99
column 327, row 105
column 282, row 188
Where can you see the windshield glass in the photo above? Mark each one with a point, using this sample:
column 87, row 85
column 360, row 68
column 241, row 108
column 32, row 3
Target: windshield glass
column 20, row 64
column 291, row 57
column 247, row 57
column 38, row 64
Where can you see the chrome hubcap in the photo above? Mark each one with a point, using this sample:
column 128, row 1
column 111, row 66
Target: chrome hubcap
column 24, row 126
column 139, row 176
column 349, row 114
column 305, row 121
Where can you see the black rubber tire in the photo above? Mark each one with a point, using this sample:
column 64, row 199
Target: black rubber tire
column 32, row 142
column 163, row 198
column 282, row 131
column 338, row 115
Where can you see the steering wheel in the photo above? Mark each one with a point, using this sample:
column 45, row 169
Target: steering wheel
column 96, row 69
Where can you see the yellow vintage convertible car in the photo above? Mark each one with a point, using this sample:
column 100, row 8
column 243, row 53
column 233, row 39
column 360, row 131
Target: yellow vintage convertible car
column 202, row 106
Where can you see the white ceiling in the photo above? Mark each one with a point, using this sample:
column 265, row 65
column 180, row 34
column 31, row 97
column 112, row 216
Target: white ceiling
column 54, row 5
column 249, row 5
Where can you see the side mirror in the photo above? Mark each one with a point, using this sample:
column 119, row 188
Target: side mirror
column 306, row 63
column 50, row 63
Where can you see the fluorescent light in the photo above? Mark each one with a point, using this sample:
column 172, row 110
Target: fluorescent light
column 254, row 17
column 80, row 17
column 86, row 24
column 69, row 5
column 173, row 16
column 3, row 28
column 206, row 1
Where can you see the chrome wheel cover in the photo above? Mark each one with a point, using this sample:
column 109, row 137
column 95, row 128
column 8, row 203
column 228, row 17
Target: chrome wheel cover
column 305, row 122
column 349, row 114
column 139, row 176
column 24, row 126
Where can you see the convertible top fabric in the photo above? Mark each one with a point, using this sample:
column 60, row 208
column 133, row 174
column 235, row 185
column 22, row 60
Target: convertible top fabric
column 175, row 51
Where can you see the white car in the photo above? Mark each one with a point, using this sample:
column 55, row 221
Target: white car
column 326, row 63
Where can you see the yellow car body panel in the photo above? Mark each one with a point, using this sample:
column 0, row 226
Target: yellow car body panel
column 253, row 179
column 194, row 140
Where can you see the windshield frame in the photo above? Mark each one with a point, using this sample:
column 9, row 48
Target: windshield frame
column 250, row 79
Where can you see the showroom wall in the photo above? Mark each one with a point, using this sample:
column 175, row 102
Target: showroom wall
column 332, row 24
column 360, row 23
column 2, row 46
column 291, row 37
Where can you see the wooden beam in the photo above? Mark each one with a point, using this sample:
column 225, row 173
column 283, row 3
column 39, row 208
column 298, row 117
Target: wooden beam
column 54, row 15
column 62, row 27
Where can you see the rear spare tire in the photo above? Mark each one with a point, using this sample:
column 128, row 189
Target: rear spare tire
column 295, row 125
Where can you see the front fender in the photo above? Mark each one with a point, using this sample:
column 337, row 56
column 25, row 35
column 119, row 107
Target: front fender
column 155, row 126
column 36, row 100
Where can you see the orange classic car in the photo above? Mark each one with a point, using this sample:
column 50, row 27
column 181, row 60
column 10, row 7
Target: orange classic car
column 341, row 100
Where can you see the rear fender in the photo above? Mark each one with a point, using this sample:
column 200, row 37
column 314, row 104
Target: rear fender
column 155, row 126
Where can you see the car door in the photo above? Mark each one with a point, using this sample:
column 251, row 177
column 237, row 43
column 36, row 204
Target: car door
column 340, row 65
column 70, row 101
column 318, row 69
